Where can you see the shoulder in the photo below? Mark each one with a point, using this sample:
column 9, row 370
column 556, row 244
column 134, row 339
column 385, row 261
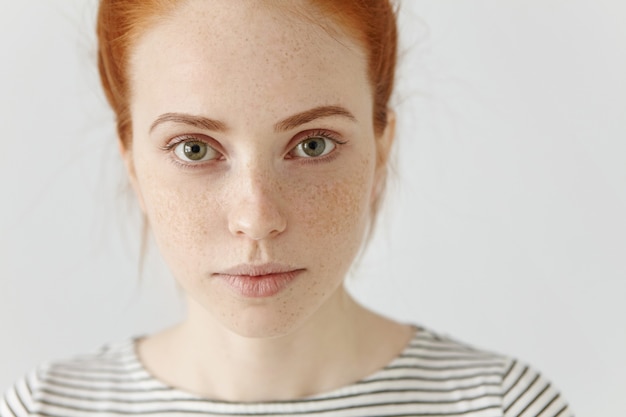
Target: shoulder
column 527, row 392
column 476, row 374
column 73, row 386
column 439, row 352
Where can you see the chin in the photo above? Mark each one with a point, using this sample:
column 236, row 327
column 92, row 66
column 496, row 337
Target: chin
column 264, row 323
column 272, row 317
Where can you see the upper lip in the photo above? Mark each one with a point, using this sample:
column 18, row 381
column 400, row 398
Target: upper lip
column 255, row 270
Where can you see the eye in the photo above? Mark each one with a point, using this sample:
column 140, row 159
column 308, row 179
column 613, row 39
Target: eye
column 314, row 147
column 195, row 151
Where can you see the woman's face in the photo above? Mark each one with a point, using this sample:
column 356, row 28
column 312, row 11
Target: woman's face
column 254, row 158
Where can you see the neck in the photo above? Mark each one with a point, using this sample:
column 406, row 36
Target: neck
column 330, row 350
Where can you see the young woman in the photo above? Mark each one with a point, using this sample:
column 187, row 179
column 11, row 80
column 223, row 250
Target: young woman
column 256, row 134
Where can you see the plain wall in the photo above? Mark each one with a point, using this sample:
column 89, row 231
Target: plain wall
column 505, row 223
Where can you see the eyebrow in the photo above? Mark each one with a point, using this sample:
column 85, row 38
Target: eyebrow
column 188, row 119
column 289, row 123
column 307, row 116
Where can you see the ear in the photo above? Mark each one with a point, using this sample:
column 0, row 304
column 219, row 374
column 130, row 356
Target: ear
column 384, row 143
column 127, row 157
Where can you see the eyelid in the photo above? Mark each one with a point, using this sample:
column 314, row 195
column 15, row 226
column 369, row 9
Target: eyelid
column 308, row 134
column 193, row 137
column 170, row 148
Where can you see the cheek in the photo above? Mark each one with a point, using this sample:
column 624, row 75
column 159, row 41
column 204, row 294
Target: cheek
column 326, row 214
column 336, row 209
column 183, row 216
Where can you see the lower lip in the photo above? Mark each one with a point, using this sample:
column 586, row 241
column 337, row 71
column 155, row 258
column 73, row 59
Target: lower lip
column 260, row 286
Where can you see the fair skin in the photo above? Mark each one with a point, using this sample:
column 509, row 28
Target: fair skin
column 278, row 113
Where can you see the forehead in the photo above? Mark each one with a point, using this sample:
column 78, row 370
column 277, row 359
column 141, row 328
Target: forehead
column 210, row 52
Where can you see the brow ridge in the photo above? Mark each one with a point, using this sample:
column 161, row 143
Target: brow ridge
column 307, row 116
column 188, row 119
column 289, row 123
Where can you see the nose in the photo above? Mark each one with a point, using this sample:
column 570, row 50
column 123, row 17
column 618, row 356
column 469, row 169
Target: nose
column 255, row 212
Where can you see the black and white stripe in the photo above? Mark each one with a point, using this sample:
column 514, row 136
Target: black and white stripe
column 434, row 376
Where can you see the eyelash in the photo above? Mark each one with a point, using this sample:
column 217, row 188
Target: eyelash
column 317, row 134
column 169, row 148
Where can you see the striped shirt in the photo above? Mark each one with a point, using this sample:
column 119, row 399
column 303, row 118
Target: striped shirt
column 433, row 376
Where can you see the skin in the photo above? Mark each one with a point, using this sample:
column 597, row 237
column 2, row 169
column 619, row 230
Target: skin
column 250, row 65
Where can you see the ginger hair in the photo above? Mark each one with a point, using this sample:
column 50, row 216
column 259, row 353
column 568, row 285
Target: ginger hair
column 372, row 23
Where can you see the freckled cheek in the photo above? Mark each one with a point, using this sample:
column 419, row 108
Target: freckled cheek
column 190, row 217
column 182, row 215
column 332, row 209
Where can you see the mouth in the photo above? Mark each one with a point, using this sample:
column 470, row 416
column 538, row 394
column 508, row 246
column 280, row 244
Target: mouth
column 258, row 281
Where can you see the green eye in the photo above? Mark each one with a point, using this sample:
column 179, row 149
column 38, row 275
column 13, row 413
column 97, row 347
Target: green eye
column 195, row 151
column 314, row 147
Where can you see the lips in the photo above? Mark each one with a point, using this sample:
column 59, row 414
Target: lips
column 258, row 281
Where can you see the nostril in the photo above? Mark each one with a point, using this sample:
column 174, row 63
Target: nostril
column 256, row 220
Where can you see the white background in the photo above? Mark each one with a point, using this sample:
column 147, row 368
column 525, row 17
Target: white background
column 506, row 219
